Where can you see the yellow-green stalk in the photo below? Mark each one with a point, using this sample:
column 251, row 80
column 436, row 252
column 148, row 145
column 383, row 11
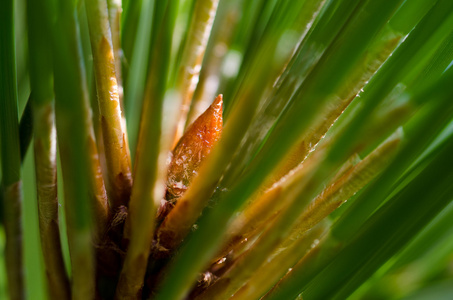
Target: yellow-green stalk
column 115, row 12
column 113, row 129
column 192, row 57
column 209, row 75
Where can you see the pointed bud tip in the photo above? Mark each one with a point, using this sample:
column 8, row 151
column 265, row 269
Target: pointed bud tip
column 193, row 147
column 218, row 103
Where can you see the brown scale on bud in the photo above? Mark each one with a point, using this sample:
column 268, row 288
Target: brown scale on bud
column 192, row 149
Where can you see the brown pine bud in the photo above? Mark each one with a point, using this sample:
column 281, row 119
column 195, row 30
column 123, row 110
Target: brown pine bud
column 192, row 149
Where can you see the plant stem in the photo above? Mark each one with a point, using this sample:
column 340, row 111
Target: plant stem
column 25, row 136
column 45, row 149
column 12, row 194
column 10, row 153
column 130, row 28
column 152, row 152
column 46, row 182
column 85, row 196
column 115, row 11
column 192, row 57
column 113, row 129
column 222, row 33
column 135, row 82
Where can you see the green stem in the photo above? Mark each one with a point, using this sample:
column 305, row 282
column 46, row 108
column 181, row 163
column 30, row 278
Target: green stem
column 10, row 154
column 115, row 12
column 46, row 183
column 192, row 57
column 85, row 196
column 222, row 33
column 45, row 148
column 25, row 136
column 130, row 27
column 113, row 129
column 152, row 151
column 134, row 84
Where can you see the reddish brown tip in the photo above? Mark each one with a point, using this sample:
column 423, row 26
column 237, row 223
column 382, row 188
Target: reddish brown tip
column 218, row 103
column 193, row 147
